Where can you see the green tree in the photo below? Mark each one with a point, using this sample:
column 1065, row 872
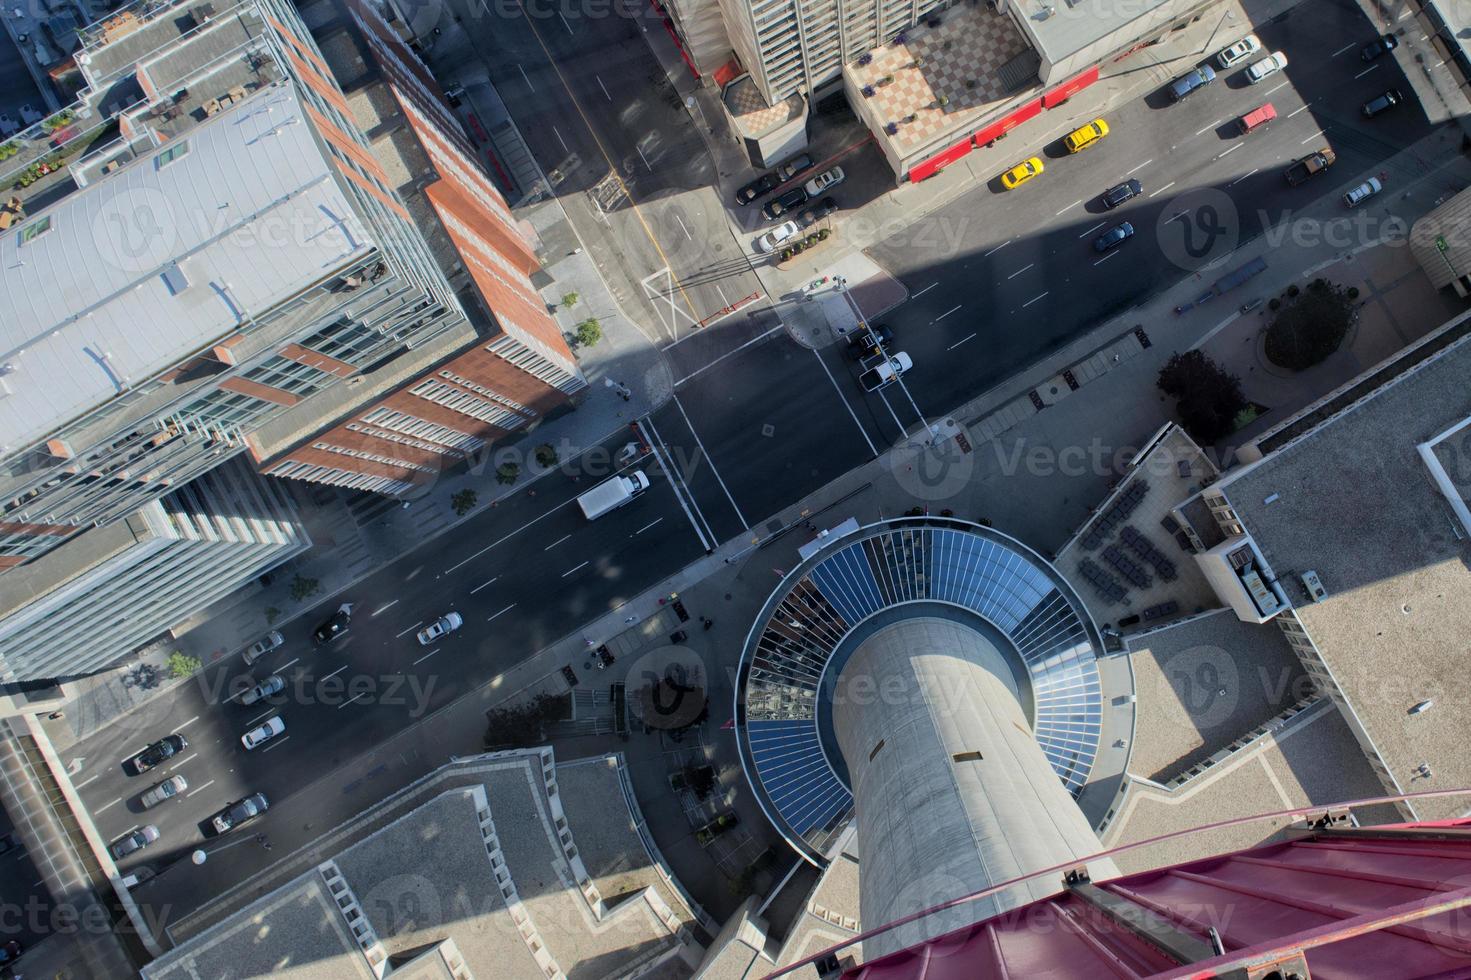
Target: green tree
column 524, row 724
column 181, row 665
column 1208, row 399
column 303, row 588
column 569, row 300
column 464, row 501
column 589, row 332
column 546, row 455
column 506, row 473
column 272, row 614
column 1310, row 326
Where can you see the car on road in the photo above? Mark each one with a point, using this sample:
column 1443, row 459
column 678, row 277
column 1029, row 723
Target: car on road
column 436, row 630
column 1309, row 166
column 1257, row 118
column 161, row 751
column 264, row 689
column 1383, row 44
column 134, row 840
column 1270, row 65
column 239, row 812
column 823, row 208
column 793, row 167
column 166, row 790
column 1191, row 82
column 777, row 237
column 860, row 342
column 788, row 201
column 1363, row 192
column 263, row 732
column 824, row 181
column 1119, row 193
column 1236, row 53
column 1385, row 101
column 11, row 951
column 1085, row 136
column 1021, row 173
column 885, row 371
column 334, row 626
column 263, row 646
column 759, row 187
column 1114, row 237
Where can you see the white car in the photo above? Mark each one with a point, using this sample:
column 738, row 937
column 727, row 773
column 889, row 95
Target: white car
column 263, row 733
column 777, row 237
column 1238, row 52
column 166, row 790
column 447, row 623
column 824, row 182
column 1269, row 65
column 1362, row 192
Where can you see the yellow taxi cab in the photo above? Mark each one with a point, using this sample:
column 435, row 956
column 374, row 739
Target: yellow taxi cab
column 1021, row 173
column 1081, row 139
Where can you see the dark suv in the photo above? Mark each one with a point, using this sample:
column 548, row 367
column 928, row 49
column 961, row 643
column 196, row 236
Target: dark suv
column 794, row 198
column 1119, row 193
column 335, row 626
column 240, row 812
column 161, row 751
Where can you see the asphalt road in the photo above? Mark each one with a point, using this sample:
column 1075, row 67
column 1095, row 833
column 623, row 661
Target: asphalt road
column 520, row 575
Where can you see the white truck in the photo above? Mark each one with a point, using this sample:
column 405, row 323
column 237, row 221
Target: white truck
column 612, row 494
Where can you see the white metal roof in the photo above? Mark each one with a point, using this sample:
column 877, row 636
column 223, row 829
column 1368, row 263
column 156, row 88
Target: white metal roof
column 162, row 259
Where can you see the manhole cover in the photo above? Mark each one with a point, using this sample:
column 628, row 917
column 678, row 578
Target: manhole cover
column 768, row 430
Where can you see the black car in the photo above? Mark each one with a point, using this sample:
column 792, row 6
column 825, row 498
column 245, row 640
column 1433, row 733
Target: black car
column 1383, row 44
column 161, row 751
column 817, row 212
column 759, row 187
column 1382, row 103
column 334, row 626
column 1119, row 193
column 794, row 198
column 860, row 342
column 240, row 812
column 793, row 167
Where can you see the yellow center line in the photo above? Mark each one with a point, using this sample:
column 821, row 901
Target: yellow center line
column 612, row 167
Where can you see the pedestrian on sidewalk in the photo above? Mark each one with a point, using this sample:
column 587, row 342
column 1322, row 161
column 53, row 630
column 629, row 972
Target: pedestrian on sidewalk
column 707, row 623
column 630, row 620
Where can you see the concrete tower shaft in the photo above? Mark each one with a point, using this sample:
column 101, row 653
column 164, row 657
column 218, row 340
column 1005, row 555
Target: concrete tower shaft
column 951, row 789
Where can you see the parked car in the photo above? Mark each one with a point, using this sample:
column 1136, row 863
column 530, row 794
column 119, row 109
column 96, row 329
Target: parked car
column 824, row 181
column 885, row 371
column 861, row 342
column 1114, row 237
column 1270, row 65
column 447, row 623
column 823, row 208
column 777, row 237
column 1021, row 173
column 161, row 751
column 1085, row 136
column 263, row 646
column 787, row 201
column 1382, row 103
column 240, row 812
column 263, row 732
column 1236, row 53
column 793, row 167
column 166, row 790
column 134, row 840
column 1383, row 44
column 1191, row 82
column 335, row 625
column 1119, row 193
column 1363, row 192
column 271, row 685
column 759, row 187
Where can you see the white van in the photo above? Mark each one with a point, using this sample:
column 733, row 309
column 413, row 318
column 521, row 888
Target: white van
column 612, row 494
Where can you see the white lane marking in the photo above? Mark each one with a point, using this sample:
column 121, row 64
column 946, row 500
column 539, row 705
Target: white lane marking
column 349, row 701
column 385, row 607
column 1068, row 208
column 182, row 761
column 718, row 478
column 260, row 717
column 571, row 570
column 1213, row 125
column 1403, row 16
column 1176, row 215
column 426, row 656
column 689, row 236
column 106, row 805
column 687, row 501
column 282, row 669
column 644, row 158
column 753, row 340
column 507, row 609
column 276, row 742
column 647, row 526
column 1106, row 258
column 1365, row 71
column 1346, row 47
column 1021, row 270
column 556, row 542
column 86, row 781
column 187, row 724
column 1310, row 138
column 854, row 415
column 1296, row 111
column 565, row 147
column 1164, row 188
column 1033, row 300
column 1093, row 229
column 528, row 79
column 1243, row 176
column 603, row 87
column 199, row 789
column 1274, row 88
column 960, row 341
column 1231, row 150
column 946, row 313
column 924, row 290
column 999, row 247
column 420, row 622
column 334, row 673
column 1140, row 167
column 564, row 22
column 482, row 585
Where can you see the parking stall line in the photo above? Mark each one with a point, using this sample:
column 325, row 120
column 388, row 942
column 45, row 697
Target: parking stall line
column 1365, row 72
column 1140, row 167
column 1244, row 176
column 1033, row 300
column 961, row 341
column 276, row 743
column 852, row 414
column 1093, row 229
column 713, row 469
column 1163, row 189
column 199, row 789
column 505, row 610
column 1020, row 271
column 411, row 628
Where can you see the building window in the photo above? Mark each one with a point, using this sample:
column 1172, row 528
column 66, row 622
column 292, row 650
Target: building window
column 171, row 154
column 35, row 230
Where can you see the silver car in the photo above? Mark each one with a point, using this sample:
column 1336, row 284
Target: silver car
column 271, row 685
column 263, row 646
column 134, row 840
column 166, row 790
column 263, row 732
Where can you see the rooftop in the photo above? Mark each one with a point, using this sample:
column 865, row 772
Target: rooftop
column 1061, row 28
column 752, row 115
column 179, row 263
